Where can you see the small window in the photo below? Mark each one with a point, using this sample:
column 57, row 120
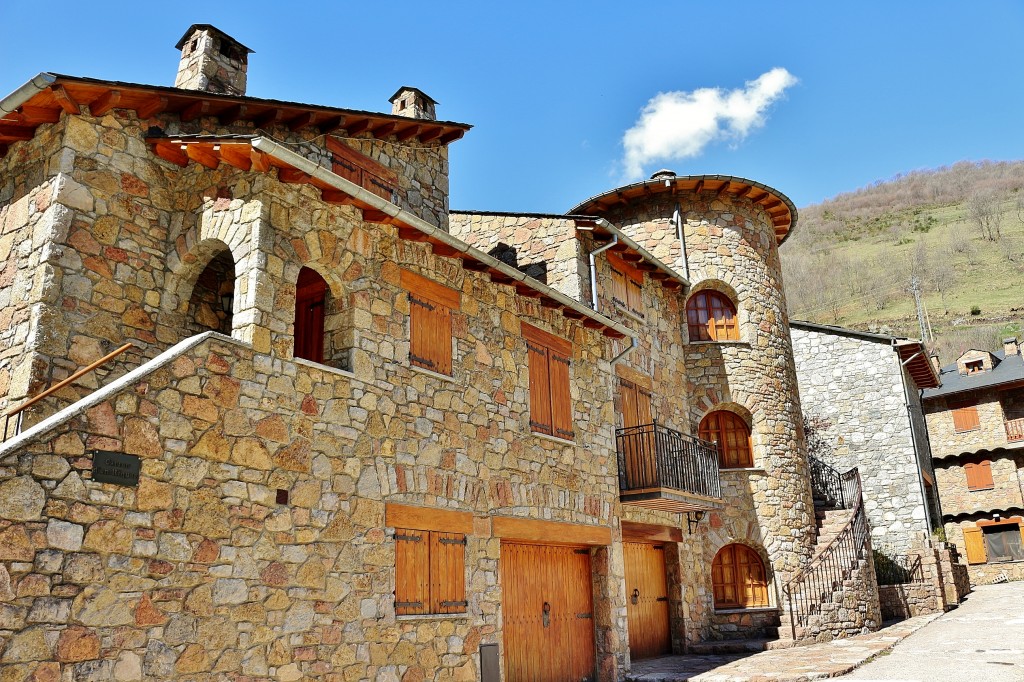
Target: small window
column 430, row 572
column 1003, row 542
column 965, row 416
column 550, row 400
column 310, row 314
column 975, row 366
column 738, row 578
column 731, row 434
column 979, row 475
column 430, row 322
column 627, row 285
column 711, row 316
column 193, row 45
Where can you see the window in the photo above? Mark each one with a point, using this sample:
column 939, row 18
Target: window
column 995, row 541
column 550, row 402
column 975, row 366
column 627, row 285
column 738, row 578
column 430, row 572
column 965, row 416
column 711, row 316
column 430, row 322
column 310, row 310
column 731, row 434
column 979, row 475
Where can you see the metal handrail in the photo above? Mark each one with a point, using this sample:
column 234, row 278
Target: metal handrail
column 898, row 569
column 827, row 483
column 655, row 456
column 20, row 409
column 816, row 582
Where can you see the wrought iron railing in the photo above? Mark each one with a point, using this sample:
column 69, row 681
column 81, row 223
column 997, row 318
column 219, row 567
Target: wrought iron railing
column 817, row 583
column 898, row 569
column 827, row 484
column 655, row 456
column 1014, row 429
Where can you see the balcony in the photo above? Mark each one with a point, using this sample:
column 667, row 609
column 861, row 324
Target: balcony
column 1014, row 430
column 660, row 468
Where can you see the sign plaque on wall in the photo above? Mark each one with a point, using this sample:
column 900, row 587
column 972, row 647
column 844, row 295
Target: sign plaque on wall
column 115, row 467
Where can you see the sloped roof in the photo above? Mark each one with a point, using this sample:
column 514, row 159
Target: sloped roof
column 1009, row 370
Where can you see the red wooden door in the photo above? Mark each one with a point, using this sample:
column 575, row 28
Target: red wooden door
column 310, row 300
column 647, row 600
column 548, row 616
column 639, row 447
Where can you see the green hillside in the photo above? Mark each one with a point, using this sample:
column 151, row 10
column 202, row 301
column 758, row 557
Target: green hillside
column 958, row 230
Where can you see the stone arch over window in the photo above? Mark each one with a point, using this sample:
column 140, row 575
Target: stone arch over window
column 711, row 314
column 322, row 330
column 730, row 431
column 738, row 578
column 202, row 290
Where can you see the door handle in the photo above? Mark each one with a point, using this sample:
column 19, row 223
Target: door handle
column 546, row 615
column 636, row 596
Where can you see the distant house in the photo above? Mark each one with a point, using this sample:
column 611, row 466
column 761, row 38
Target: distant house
column 861, row 397
column 976, row 426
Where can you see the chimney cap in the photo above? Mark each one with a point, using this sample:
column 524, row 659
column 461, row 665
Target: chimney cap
column 212, row 29
column 663, row 173
column 409, row 88
column 1010, row 339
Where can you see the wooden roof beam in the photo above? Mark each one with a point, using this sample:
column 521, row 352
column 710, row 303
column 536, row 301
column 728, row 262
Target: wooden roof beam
column 260, row 161
column 3, row 150
column 336, row 196
column 237, row 155
column 772, row 204
column 430, row 133
column 292, row 176
column 410, row 234
column 66, row 101
column 301, row 121
column 331, row 124
column 196, row 110
column 171, row 152
column 16, row 133
column 403, row 134
column 152, row 107
column 202, row 154
column 268, row 118
column 527, row 291
column 699, row 187
column 452, row 135
column 357, row 126
column 383, row 130
column 724, row 189
column 33, row 116
column 105, row 102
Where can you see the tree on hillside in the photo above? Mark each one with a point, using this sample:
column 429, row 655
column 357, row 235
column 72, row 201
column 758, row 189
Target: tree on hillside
column 983, row 210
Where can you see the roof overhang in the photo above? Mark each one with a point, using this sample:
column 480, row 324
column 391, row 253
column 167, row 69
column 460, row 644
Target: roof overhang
column 263, row 154
column 631, row 252
column 43, row 99
column 914, row 359
column 780, row 209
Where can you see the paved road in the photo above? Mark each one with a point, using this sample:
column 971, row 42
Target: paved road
column 981, row 641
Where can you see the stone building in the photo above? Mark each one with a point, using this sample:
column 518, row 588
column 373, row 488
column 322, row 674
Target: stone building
column 338, row 431
column 976, row 426
column 861, row 397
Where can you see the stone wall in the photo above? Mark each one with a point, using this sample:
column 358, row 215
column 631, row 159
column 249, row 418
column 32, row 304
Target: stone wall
column 857, row 610
column 947, row 442
column 986, row 573
column 939, row 583
column 852, row 391
column 1007, row 468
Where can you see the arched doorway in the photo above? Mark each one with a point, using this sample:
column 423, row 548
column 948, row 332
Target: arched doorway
column 211, row 302
column 310, row 313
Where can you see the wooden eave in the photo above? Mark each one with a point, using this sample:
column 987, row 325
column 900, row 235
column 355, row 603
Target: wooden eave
column 237, row 151
column 780, row 209
column 917, row 364
column 655, row 269
column 69, row 94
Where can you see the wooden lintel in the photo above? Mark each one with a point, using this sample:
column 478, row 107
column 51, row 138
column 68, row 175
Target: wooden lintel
column 197, row 109
column 268, row 118
column 430, row 133
column 427, row 518
column 358, row 126
column 202, row 155
column 16, row 133
column 260, row 161
column 301, row 121
column 331, row 124
column 292, row 175
column 171, row 152
column 151, row 107
column 515, row 528
column 233, row 114
column 384, row 129
column 372, row 215
column 646, row 533
column 403, row 134
column 451, row 136
column 237, row 155
column 66, row 101
column 105, row 102
column 336, row 196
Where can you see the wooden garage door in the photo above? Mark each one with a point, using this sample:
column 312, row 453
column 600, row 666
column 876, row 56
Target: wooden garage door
column 548, row 615
column 647, row 600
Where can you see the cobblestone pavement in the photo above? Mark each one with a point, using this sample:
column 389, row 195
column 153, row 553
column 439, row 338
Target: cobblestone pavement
column 983, row 640
column 813, row 662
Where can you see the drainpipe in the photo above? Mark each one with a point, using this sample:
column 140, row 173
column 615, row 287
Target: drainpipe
column 11, row 103
column 913, row 439
column 593, row 271
column 632, row 346
column 677, row 217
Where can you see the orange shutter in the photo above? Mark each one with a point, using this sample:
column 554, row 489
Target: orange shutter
column 628, row 396
column 619, row 292
column 965, row 418
column 430, row 334
column 979, row 475
column 412, row 572
column 447, row 572
column 540, row 390
column 635, row 298
column 561, row 400
column 643, row 407
column 974, row 546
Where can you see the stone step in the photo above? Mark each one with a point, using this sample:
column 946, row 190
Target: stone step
column 715, row 647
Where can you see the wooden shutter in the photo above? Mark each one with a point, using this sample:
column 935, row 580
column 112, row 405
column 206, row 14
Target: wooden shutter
column 540, row 390
column 628, row 398
column 697, row 317
column 974, row 546
column 430, row 322
column 965, row 417
column 635, row 297
column 447, row 572
column 723, row 577
column 412, row 572
column 979, row 475
column 619, row 292
column 751, row 573
column 732, row 435
column 643, row 407
column 561, row 400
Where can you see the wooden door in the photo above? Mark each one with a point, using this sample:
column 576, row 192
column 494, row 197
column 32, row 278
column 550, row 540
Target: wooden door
column 548, row 616
column 310, row 300
column 638, row 446
column 647, row 600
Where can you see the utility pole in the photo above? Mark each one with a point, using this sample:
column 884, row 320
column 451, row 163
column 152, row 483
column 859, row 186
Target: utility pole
column 915, row 288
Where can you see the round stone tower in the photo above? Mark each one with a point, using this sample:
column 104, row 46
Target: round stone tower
column 723, row 234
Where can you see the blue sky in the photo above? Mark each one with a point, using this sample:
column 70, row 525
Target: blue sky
column 551, row 88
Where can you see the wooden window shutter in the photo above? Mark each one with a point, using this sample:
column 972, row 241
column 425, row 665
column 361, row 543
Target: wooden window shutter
column 979, row 475
column 430, row 313
column 974, row 546
column 965, row 417
column 711, row 316
column 540, row 390
column 412, row 572
column 628, row 398
column 447, row 572
column 644, row 415
column 561, row 399
column 635, row 297
column 619, row 292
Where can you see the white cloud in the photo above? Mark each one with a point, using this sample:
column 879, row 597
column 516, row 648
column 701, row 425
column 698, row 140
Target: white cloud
column 678, row 125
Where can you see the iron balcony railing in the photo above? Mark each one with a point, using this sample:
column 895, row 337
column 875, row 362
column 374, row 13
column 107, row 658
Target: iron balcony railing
column 827, row 484
column 655, row 456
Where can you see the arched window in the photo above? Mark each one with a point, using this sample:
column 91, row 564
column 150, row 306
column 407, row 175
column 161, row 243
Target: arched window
column 711, row 316
column 731, row 434
column 209, row 306
column 310, row 311
column 738, row 578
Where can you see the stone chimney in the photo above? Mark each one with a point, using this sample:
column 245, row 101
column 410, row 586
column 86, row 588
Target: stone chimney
column 211, row 61
column 1010, row 346
column 414, row 103
column 934, row 357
